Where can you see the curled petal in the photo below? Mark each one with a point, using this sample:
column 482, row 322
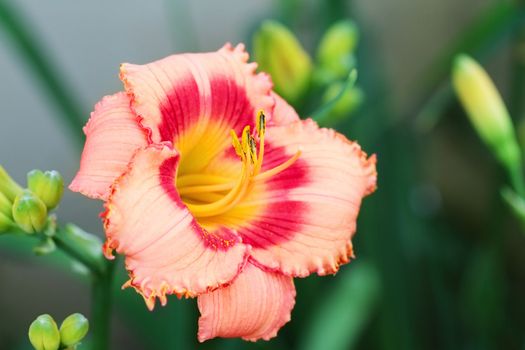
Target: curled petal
column 166, row 251
column 283, row 113
column 255, row 306
column 306, row 215
column 112, row 136
column 196, row 99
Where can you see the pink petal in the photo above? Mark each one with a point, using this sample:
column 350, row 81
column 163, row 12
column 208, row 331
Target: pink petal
column 190, row 99
column 166, row 251
column 255, row 306
column 307, row 213
column 283, row 113
column 112, row 136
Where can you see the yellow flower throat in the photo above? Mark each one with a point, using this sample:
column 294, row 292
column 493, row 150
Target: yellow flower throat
column 208, row 195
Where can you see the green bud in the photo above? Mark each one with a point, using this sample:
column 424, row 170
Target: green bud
column 346, row 104
column 279, row 53
column 5, row 205
column 48, row 186
column 73, row 329
column 44, row 334
column 29, row 212
column 5, row 223
column 335, row 52
column 8, row 186
column 486, row 110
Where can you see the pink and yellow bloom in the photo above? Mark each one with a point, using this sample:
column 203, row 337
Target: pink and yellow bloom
column 215, row 189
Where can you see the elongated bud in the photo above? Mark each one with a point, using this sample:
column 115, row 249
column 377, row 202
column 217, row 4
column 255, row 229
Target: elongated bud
column 279, row 53
column 486, row 110
column 335, row 52
column 8, row 186
column 44, row 334
column 48, row 186
column 29, row 212
column 73, row 329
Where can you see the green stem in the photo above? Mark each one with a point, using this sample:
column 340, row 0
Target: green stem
column 517, row 76
column 101, row 308
column 13, row 23
column 85, row 248
column 322, row 114
column 516, row 179
column 81, row 246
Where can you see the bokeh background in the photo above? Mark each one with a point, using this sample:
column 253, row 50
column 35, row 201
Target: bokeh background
column 440, row 261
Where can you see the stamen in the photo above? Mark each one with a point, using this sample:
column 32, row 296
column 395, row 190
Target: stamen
column 203, row 198
column 212, row 195
column 261, row 123
column 261, row 130
column 253, row 150
column 245, row 137
column 280, row 168
column 236, row 144
column 200, row 179
column 207, row 188
column 225, row 203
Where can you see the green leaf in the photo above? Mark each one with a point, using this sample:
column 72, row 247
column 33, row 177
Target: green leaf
column 345, row 311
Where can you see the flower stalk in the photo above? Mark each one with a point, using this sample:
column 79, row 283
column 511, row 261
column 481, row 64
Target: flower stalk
column 85, row 248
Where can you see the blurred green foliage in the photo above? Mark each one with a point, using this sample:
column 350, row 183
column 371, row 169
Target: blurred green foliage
column 441, row 261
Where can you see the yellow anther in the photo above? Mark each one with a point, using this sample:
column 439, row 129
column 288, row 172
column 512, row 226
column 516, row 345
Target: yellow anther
column 253, row 149
column 237, row 144
column 245, row 139
column 261, row 123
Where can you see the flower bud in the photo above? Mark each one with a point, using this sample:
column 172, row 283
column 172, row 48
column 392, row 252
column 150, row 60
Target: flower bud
column 44, row 334
column 73, row 329
column 8, row 186
column 5, row 205
column 279, row 53
column 335, row 52
column 29, row 212
column 486, row 110
column 48, row 186
column 348, row 103
column 5, row 223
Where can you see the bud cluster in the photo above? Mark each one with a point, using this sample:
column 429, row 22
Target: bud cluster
column 27, row 209
column 295, row 74
column 44, row 333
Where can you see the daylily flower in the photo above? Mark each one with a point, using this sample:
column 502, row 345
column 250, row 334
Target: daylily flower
column 215, row 189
